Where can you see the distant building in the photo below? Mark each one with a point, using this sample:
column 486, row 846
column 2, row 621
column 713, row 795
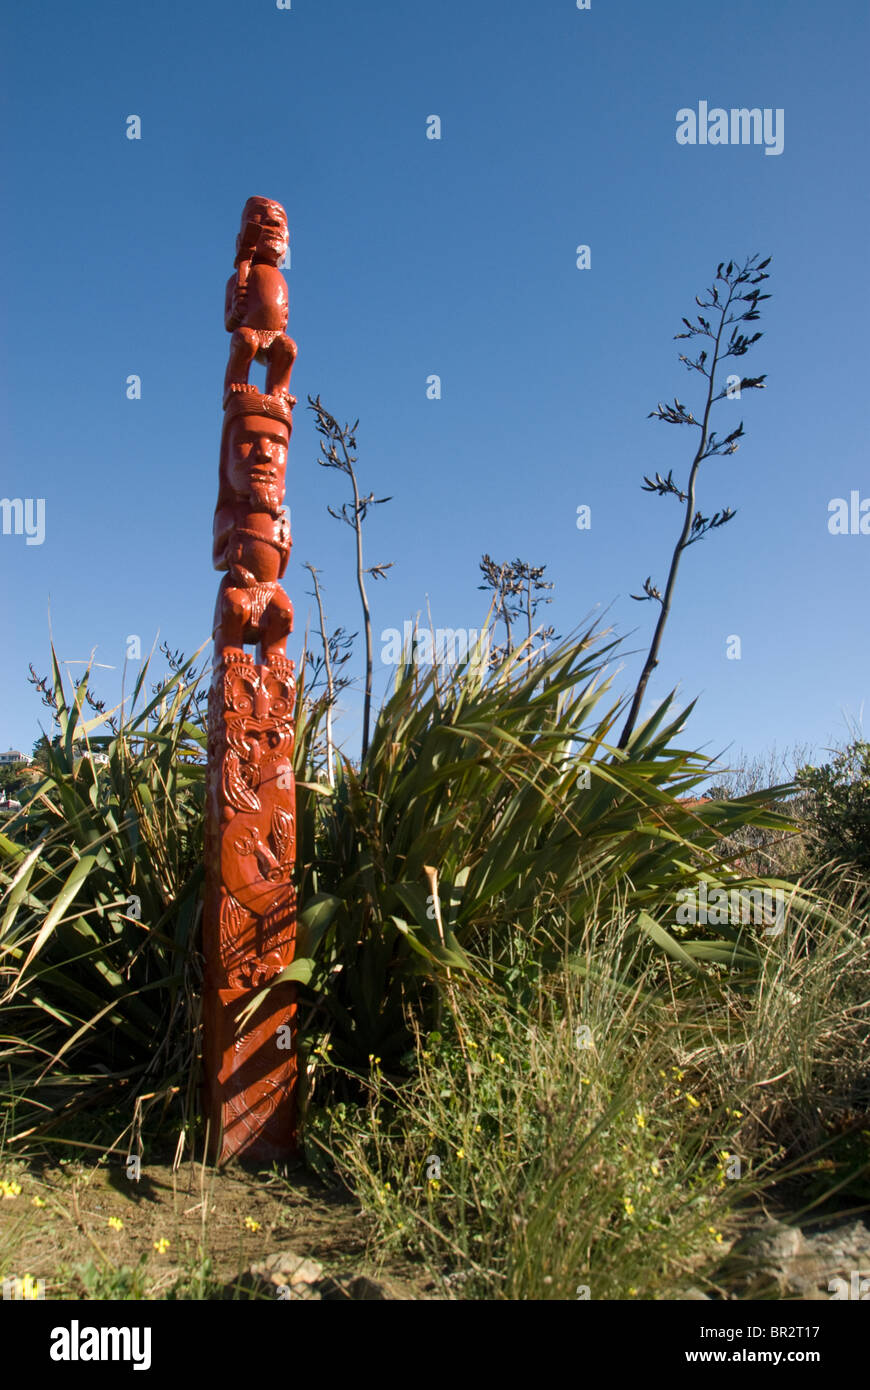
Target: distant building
column 101, row 759
column 11, row 758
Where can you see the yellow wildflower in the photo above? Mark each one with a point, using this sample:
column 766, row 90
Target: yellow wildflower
column 251, row 1224
column 116, row 1223
column 161, row 1245
column 10, row 1189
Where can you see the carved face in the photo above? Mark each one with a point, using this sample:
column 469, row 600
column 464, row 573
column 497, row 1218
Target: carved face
column 257, row 458
column 274, row 238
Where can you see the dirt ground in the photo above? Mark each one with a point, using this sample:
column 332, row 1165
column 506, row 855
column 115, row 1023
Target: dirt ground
column 189, row 1233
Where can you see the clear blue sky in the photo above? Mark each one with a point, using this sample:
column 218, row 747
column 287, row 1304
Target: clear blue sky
column 456, row 257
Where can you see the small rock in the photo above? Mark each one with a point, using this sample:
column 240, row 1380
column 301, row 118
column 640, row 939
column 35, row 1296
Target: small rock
column 288, row 1275
column 785, row 1262
column 286, row 1267
column 772, row 1244
column 762, row 1262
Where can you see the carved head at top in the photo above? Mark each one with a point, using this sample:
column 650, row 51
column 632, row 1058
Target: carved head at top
column 264, row 235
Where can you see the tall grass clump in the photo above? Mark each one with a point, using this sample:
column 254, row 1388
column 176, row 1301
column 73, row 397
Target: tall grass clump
column 557, row 1151
column 100, row 878
column 613, row 1139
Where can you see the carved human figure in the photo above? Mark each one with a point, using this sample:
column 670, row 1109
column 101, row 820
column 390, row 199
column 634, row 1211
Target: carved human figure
column 251, row 532
column 256, row 304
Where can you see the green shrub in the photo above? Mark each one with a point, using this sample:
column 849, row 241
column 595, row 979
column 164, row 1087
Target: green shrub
column 492, row 816
column 836, row 807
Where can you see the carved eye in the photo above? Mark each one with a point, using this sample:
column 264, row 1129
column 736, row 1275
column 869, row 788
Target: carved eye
column 278, row 699
column 242, row 696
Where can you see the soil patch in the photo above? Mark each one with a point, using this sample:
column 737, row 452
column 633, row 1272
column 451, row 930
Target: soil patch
column 190, row 1232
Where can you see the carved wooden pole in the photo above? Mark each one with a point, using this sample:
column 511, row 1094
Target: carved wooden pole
column 249, row 920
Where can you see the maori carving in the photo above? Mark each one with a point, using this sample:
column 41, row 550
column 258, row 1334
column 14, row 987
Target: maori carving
column 249, row 920
column 251, row 531
column 256, row 306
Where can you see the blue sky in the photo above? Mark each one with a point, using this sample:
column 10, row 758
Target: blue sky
column 456, row 257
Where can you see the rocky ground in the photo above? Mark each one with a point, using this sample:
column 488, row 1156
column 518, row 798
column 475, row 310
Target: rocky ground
column 827, row 1261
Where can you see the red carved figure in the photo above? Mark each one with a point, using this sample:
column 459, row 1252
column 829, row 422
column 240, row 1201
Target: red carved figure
column 256, row 301
column 249, row 919
column 251, row 531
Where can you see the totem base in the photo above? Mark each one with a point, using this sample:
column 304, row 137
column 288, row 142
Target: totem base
column 251, row 1077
